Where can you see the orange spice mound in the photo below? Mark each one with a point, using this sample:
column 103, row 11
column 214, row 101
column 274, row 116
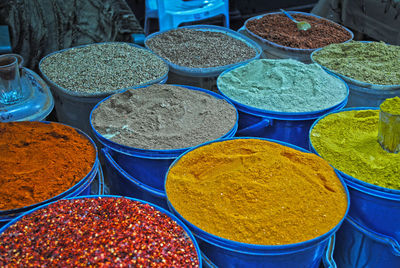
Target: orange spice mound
column 257, row 192
column 39, row 161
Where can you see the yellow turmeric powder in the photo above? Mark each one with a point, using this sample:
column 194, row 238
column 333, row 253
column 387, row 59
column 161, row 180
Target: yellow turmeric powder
column 257, row 192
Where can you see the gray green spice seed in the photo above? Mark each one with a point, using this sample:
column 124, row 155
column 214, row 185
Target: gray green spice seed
column 101, row 68
column 374, row 62
column 199, row 48
column 163, row 117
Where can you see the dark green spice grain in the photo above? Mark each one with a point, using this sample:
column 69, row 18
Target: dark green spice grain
column 101, row 68
column 200, row 48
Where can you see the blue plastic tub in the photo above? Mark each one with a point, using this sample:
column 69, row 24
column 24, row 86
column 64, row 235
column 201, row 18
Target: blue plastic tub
column 292, row 128
column 121, row 183
column 372, row 208
column 82, row 187
column 169, row 214
column 364, row 94
column 359, row 246
column 204, row 77
column 149, row 166
column 228, row 253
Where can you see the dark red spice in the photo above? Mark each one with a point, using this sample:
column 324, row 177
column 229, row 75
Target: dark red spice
column 281, row 30
column 103, row 231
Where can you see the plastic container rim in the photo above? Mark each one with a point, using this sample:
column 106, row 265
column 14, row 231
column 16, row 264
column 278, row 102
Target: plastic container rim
column 210, row 70
column 91, row 172
column 169, row 214
column 354, row 182
column 246, row 246
column 98, row 94
column 292, row 48
column 75, row 192
column 278, row 114
column 50, row 102
column 352, row 80
column 374, row 235
column 157, row 153
column 147, row 188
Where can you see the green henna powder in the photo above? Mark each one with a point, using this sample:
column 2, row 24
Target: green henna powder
column 391, row 106
column 374, row 62
column 348, row 141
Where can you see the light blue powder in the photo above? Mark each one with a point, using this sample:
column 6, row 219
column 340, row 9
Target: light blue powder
column 283, row 86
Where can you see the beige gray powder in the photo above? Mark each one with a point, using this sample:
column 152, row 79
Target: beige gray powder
column 163, row 117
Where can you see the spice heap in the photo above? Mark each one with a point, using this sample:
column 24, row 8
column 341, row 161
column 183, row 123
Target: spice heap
column 97, row 231
column 283, row 86
column 348, row 141
column 374, row 62
column 163, row 117
column 39, row 161
column 279, row 29
column 200, row 48
column 391, row 106
column 255, row 191
column 102, row 68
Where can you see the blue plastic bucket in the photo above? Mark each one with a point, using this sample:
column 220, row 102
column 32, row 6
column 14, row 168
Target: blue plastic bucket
column 204, row 77
column 169, row 214
column 121, row 183
column 228, row 253
column 359, row 246
column 292, row 128
column 82, row 187
column 149, row 166
column 372, row 208
column 364, row 94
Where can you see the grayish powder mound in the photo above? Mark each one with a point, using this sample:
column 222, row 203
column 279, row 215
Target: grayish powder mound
column 163, row 117
column 101, row 68
column 283, row 86
column 200, row 49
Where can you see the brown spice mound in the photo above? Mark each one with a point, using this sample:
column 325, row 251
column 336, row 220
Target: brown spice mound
column 39, row 161
column 281, row 30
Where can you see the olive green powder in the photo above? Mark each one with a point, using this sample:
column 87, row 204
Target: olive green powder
column 348, row 140
column 373, row 62
column 391, row 106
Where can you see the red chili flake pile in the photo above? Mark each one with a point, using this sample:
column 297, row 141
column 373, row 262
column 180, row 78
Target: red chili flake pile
column 281, row 30
column 102, row 231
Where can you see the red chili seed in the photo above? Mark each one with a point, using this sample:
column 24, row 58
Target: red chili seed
column 105, row 231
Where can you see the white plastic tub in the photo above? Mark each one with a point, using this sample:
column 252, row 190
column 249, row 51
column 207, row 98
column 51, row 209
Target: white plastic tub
column 204, row 77
column 271, row 50
column 73, row 108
